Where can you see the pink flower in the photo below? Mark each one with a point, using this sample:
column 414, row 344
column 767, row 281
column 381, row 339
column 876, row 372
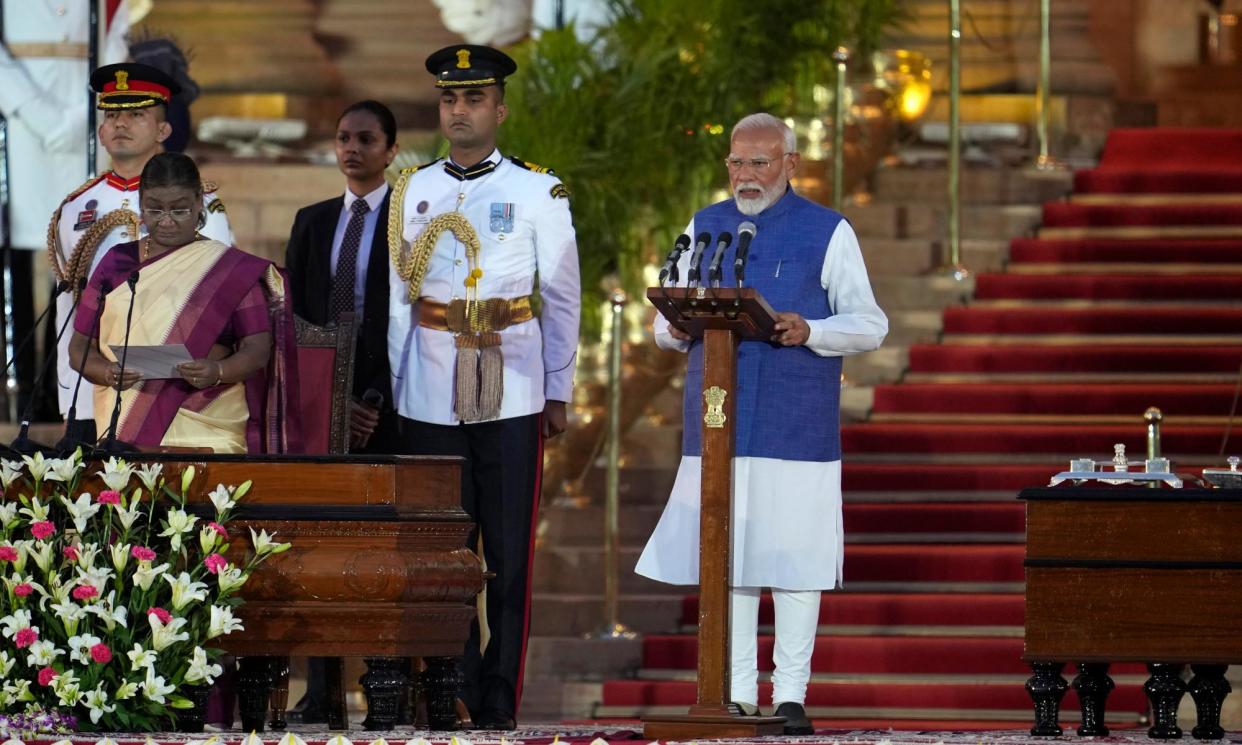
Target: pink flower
column 8, row 553
column 84, row 592
column 214, row 563
column 25, row 637
column 71, row 553
column 22, row 590
column 42, row 529
column 219, row 529
column 142, row 553
column 161, row 614
column 46, row 675
column 108, row 497
column 101, row 654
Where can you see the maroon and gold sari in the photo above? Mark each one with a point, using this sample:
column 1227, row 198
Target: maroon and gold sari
column 200, row 295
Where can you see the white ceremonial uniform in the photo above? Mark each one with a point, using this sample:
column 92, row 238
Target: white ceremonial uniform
column 105, row 194
column 526, row 232
column 44, row 97
column 784, row 534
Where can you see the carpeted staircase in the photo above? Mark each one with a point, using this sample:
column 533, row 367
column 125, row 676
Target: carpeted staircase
column 1127, row 297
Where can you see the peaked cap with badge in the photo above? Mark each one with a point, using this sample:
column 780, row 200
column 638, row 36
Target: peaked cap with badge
column 132, row 85
column 470, row 66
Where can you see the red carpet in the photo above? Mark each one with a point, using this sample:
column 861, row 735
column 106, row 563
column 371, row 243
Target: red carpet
column 927, row 627
column 971, row 358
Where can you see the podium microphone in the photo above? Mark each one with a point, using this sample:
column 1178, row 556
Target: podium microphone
column 745, row 233
column 669, row 270
column 73, row 437
column 110, row 443
column 696, row 258
column 722, row 244
column 61, row 288
column 22, row 444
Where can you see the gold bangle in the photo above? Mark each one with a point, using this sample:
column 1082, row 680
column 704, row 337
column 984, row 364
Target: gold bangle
column 219, row 373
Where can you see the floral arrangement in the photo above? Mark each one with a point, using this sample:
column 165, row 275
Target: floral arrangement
column 112, row 591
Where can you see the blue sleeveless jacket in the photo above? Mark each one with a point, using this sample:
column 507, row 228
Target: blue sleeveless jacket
column 787, row 398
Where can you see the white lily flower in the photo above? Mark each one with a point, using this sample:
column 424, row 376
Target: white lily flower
column 253, row 739
column 23, row 553
column 15, row 622
column 80, row 647
column 208, row 539
column 263, row 543
column 201, row 671
column 120, row 556
column 37, row 510
column 222, row 622
column 178, row 522
column 6, row 664
column 187, row 478
column 116, row 474
column 145, row 574
column 288, row 739
column 96, row 577
column 43, row 653
column 231, row 578
column 126, row 691
column 8, row 512
column 81, row 510
column 111, row 617
column 70, row 614
column 37, row 466
column 140, row 658
column 222, row 498
column 42, row 554
column 63, row 469
column 97, row 702
column 9, row 471
column 149, row 475
column 164, row 636
column 185, row 590
column 154, row 688
column 19, row 690
column 67, row 688
column 127, row 515
column 339, row 740
column 86, row 554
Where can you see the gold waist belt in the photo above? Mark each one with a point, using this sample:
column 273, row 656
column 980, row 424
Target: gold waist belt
column 28, row 49
column 480, row 317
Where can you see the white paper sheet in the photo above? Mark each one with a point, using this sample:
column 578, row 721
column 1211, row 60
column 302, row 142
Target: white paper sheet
column 154, row 362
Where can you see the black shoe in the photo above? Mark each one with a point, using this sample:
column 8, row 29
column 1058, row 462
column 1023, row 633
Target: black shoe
column 494, row 720
column 796, row 722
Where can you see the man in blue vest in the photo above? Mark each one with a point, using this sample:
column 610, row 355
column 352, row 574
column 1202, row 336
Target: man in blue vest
column 787, row 532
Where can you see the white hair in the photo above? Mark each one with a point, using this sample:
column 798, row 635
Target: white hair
column 764, row 120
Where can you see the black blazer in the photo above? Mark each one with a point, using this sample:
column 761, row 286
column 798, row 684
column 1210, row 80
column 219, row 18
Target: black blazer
column 308, row 258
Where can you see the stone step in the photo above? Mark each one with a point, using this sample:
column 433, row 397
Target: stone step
column 884, row 365
column 934, row 292
column 580, row 658
column 576, row 570
column 906, row 327
column 901, row 220
column 559, row 615
column 919, row 256
column 978, row 185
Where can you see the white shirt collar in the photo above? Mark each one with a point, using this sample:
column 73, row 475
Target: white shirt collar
column 374, row 199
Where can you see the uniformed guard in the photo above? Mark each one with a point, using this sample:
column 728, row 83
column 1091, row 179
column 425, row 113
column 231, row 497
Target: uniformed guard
column 104, row 211
column 475, row 372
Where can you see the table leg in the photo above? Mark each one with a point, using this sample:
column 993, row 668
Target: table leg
column 1208, row 688
column 254, row 691
column 280, row 692
column 1046, row 688
column 1164, row 691
column 334, row 684
column 383, row 685
column 1093, row 686
column 440, row 681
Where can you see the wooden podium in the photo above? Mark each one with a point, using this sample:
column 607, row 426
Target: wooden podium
column 721, row 318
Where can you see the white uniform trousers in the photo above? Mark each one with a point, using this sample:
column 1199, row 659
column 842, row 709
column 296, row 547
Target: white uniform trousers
column 797, row 621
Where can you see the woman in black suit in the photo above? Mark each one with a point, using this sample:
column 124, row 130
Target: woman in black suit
column 337, row 258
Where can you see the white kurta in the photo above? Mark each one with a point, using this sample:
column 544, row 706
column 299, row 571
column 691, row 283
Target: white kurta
column 108, row 193
column 527, row 235
column 786, row 522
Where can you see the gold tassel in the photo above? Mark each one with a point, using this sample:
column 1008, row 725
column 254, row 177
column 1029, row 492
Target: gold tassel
column 491, row 376
column 466, row 378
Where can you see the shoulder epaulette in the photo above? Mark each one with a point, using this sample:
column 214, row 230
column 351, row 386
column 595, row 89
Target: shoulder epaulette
column 420, row 166
column 78, row 191
column 210, row 187
column 531, row 166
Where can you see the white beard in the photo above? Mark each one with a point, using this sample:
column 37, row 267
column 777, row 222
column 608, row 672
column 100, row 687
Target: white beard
column 753, row 206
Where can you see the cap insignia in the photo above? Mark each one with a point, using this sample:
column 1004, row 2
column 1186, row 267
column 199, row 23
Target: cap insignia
column 463, row 59
column 122, row 80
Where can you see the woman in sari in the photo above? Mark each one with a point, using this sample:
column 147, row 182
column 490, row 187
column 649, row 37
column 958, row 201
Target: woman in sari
column 226, row 306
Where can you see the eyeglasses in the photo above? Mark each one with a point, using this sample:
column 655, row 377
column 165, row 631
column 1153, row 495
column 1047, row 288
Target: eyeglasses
column 758, row 164
column 178, row 215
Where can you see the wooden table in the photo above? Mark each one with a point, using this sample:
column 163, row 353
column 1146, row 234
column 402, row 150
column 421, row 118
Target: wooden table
column 1132, row 574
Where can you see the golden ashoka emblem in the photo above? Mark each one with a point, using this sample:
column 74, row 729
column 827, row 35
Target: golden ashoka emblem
column 714, row 416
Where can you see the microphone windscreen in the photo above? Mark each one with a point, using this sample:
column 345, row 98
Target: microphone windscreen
column 682, row 242
column 746, row 228
column 703, row 238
